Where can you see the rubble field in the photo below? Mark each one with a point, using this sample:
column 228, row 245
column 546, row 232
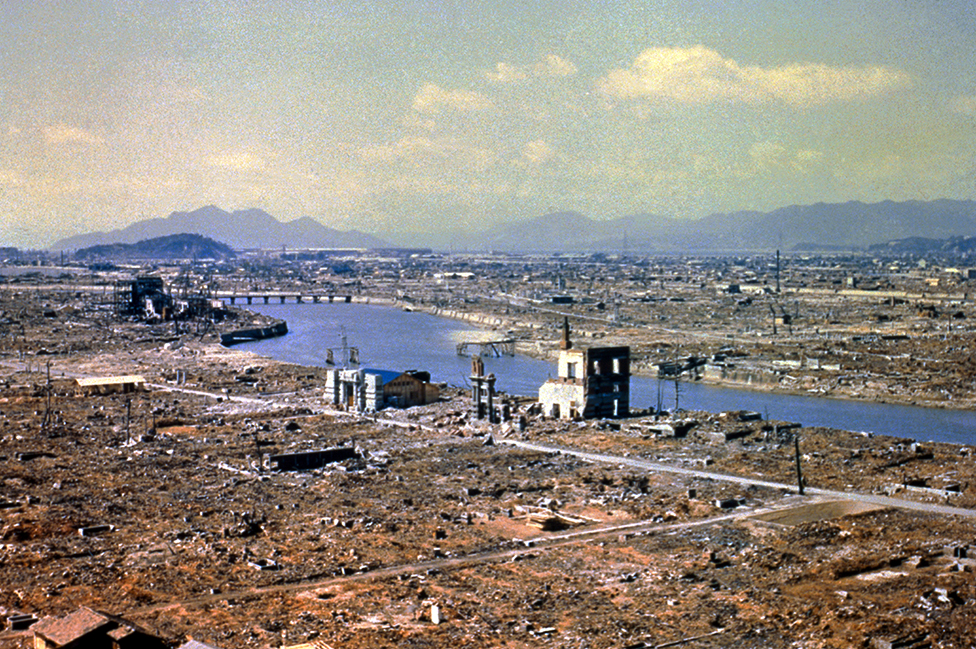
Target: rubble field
column 161, row 506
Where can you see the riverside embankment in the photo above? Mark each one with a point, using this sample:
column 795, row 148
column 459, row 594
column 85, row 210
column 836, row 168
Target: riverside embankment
column 390, row 338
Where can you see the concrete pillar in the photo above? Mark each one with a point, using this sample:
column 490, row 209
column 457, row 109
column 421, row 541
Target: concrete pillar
column 282, row 297
column 491, row 398
column 233, row 300
column 265, row 299
column 476, row 396
column 249, row 299
column 298, row 299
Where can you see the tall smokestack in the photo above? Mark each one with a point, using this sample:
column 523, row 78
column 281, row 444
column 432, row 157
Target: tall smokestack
column 777, row 271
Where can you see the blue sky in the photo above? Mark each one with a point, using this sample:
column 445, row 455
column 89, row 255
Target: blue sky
column 411, row 116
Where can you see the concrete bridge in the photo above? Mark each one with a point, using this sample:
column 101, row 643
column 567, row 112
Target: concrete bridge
column 493, row 348
column 281, row 298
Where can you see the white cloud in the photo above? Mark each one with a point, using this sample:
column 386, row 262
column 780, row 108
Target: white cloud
column 536, row 152
column 554, row 66
column 506, row 73
column 237, row 161
column 10, row 178
column 551, row 66
column 63, row 134
column 768, row 155
column 433, row 99
column 699, row 75
column 806, row 158
column 964, row 105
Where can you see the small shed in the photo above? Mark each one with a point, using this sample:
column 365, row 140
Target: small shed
column 112, row 384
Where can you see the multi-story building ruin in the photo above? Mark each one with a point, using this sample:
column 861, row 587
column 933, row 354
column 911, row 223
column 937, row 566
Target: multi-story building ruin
column 591, row 383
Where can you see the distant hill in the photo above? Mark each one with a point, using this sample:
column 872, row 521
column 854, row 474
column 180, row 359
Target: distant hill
column 240, row 229
column 174, row 246
column 922, row 246
column 823, row 226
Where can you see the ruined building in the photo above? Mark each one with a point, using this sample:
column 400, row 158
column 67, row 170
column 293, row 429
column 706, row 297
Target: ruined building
column 591, row 383
column 145, row 297
column 482, row 390
column 367, row 389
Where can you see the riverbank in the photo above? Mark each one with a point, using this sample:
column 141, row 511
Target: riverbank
column 238, row 336
column 845, row 385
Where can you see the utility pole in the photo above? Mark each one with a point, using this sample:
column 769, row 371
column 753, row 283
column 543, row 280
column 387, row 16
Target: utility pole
column 47, row 398
column 128, row 416
column 799, row 472
column 777, row 272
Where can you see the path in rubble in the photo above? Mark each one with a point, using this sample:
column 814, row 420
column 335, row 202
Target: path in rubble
column 572, row 537
column 521, row 549
column 884, row 501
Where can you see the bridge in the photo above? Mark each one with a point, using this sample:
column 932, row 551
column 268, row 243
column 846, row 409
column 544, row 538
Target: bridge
column 282, row 298
column 493, row 348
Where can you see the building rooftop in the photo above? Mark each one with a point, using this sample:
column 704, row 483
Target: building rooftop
column 63, row 630
column 110, row 380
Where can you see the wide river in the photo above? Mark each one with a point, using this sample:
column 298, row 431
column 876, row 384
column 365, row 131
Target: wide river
column 392, row 339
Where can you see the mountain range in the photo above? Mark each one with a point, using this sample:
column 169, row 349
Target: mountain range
column 241, row 230
column 822, row 226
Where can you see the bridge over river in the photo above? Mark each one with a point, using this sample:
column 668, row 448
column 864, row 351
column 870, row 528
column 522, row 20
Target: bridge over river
column 493, row 348
column 280, row 297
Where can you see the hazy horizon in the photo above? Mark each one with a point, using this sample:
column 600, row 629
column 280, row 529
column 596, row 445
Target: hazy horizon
column 401, row 117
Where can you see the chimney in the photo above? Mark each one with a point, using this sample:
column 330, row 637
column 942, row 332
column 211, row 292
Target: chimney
column 565, row 343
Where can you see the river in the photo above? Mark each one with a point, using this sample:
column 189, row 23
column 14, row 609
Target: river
column 393, row 339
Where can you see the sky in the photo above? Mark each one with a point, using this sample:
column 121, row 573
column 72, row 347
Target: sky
column 420, row 115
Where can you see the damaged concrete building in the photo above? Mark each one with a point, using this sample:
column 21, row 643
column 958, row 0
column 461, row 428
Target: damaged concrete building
column 591, row 383
column 146, row 297
column 370, row 389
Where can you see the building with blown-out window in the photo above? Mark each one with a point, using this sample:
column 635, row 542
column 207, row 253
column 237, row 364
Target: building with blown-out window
column 591, row 383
